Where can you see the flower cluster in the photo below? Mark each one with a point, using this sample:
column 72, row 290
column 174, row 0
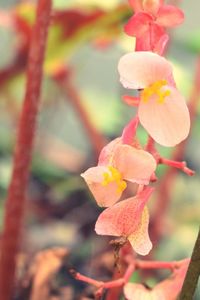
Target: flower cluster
column 149, row 21
column 161, row 108
column 163, row 113
column 118, row 164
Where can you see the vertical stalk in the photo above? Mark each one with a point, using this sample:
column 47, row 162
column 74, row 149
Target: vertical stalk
column 193, row 273
column 15, row 203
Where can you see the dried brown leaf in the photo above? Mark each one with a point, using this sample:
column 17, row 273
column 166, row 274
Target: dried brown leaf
column 44, row 266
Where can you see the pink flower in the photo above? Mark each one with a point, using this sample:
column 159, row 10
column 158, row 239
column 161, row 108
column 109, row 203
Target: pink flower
column 118, row 163
column 162, row 110
column 148, row 21
column 168, row 289
column 130, row 219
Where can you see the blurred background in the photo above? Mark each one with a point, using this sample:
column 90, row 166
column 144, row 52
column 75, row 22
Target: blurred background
column 78, row 115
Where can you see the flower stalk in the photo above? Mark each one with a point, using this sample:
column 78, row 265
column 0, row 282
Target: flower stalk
column 15, row 203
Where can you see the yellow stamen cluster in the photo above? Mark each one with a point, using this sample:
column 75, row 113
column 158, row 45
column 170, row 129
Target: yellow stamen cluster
column 114, row 176
column 155, row 89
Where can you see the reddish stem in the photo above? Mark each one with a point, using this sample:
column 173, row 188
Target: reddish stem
column 150, row 147
column 64, row 80
column 177, row 164
column 130, row 100
column 109, row 284
column 132, row 266
column 156, row 264
column 16, row 193
column 88, row 280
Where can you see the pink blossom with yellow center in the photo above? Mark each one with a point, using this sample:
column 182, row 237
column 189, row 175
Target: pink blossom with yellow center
column 162, row 109
column 148, row 22
column 118, row 163
column 130, row 219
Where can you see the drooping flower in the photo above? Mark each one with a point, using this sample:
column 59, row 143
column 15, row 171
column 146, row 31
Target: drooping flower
column 130, row 219
column 167, row 289
column 118, row 163
column 162, row 109
column 148, row 21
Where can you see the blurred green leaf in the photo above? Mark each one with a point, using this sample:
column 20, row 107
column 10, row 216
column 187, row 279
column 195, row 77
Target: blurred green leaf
column 193, row 41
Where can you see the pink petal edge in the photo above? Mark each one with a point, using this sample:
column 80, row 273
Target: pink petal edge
column 105, row 196
column 168, row 123
column 123, row 218
column 169, row 16
column 139, row 239
column 135, row 165
column 138, row 24
column 140, row 69
column 105, row 156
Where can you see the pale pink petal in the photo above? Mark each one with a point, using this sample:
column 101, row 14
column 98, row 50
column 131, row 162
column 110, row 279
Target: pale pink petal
column 104, row 195
column 151, row 6
column 94, row 174
column 135, row 291
column 123, row 218
column 168, row 123
column 139, row 239
column 168, row 289
column 171, row 287
column 140, row 69
column 129, row 131
column 138, row 24
column 106, row 154
column 136, row 5
column 169, row 16
column 135, row 165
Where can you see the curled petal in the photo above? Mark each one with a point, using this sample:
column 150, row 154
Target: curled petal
column 140, row 69
column 135, row 165
column 139, row 239
column 138, row 24
column 104, row 195
column 171, row 286
column 131, row 100
column 167, row 289
column 106, row 154
column 169, row 16
column 169, row 122
column 136, row 5
column 123, row 218
column 152, row 6
column 136, row 291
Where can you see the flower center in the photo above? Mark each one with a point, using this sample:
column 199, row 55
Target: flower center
column 155, row 89
column 114, row 176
